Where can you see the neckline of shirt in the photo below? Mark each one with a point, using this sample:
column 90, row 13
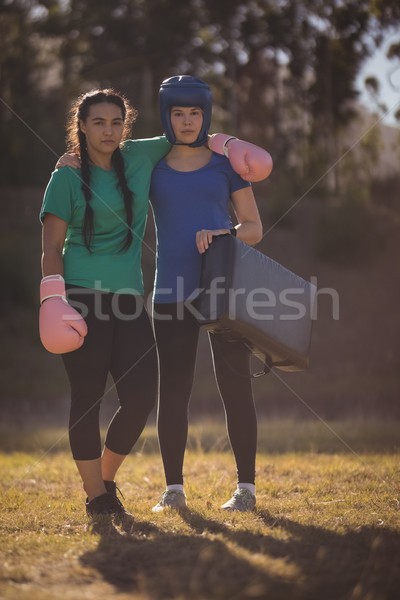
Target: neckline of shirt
column 212, row 159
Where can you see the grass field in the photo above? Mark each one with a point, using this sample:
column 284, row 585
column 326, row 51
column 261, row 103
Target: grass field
column 326, row 526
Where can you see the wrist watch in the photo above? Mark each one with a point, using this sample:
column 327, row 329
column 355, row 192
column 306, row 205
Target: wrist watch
column 234, row 231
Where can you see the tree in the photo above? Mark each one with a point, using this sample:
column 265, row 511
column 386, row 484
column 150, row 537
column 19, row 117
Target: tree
column 282, row 71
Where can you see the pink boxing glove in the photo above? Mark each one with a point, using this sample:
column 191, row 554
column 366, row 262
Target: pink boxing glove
column 61, row 327
column 251, row 162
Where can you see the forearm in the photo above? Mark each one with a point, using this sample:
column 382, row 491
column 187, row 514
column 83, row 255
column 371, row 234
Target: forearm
column 249, row 232
column 251, row 162
column 53, row 238
column 52, row 262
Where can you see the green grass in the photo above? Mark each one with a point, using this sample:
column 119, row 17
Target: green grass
column 327, row 523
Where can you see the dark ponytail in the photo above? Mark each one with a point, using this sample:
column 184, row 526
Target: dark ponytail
column 88, row 222
column 117, row 162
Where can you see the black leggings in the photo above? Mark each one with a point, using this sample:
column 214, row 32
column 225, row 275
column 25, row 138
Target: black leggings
column 119, row 341
column 177, row 338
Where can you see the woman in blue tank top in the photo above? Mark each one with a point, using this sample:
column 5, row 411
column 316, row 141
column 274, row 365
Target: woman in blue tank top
column 191, row 190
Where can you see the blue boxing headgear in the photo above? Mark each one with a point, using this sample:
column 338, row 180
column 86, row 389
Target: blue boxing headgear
column 184, row 90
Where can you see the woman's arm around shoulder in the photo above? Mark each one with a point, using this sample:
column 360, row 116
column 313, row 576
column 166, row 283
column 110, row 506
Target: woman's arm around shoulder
column 154, row 148
column 251, row 162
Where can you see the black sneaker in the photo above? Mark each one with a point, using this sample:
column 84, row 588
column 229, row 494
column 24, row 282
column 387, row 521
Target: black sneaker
column 112, row 489
column 105, row 504
column 108, row 505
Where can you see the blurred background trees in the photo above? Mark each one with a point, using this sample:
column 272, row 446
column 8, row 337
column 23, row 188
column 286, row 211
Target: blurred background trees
column 283, row 75
column 282, row 71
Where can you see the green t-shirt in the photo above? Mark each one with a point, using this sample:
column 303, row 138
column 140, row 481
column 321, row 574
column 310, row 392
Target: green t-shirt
column 106, row 267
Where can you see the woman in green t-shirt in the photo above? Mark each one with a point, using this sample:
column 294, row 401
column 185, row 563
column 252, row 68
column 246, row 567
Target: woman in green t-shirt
column 93, row 225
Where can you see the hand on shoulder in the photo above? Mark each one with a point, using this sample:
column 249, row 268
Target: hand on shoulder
column 69, row 159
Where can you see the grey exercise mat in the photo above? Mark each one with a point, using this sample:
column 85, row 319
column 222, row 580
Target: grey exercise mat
column 247, row 295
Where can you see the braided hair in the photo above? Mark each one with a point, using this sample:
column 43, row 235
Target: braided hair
column 76, row 142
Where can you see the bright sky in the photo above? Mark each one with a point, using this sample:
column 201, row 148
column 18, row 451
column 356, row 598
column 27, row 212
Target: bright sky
column 387, row 72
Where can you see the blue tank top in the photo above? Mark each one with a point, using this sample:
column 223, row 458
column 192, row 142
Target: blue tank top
column 183, row 203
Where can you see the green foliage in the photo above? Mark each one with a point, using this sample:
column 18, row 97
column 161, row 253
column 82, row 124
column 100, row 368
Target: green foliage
column 51, row 50
column 386, row 11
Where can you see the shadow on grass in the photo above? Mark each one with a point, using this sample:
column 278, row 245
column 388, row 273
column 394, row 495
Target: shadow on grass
column 219, row 561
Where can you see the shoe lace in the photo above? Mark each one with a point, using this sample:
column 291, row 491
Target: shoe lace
column 244, row 495
column 169, row 494
column 120, row 493
column 105, row 502
column 112, row 489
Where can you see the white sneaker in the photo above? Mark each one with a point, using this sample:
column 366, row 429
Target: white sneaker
column 170, row 499
column 242, row 500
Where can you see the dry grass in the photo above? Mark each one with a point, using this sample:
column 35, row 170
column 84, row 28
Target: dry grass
column 327, row 524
